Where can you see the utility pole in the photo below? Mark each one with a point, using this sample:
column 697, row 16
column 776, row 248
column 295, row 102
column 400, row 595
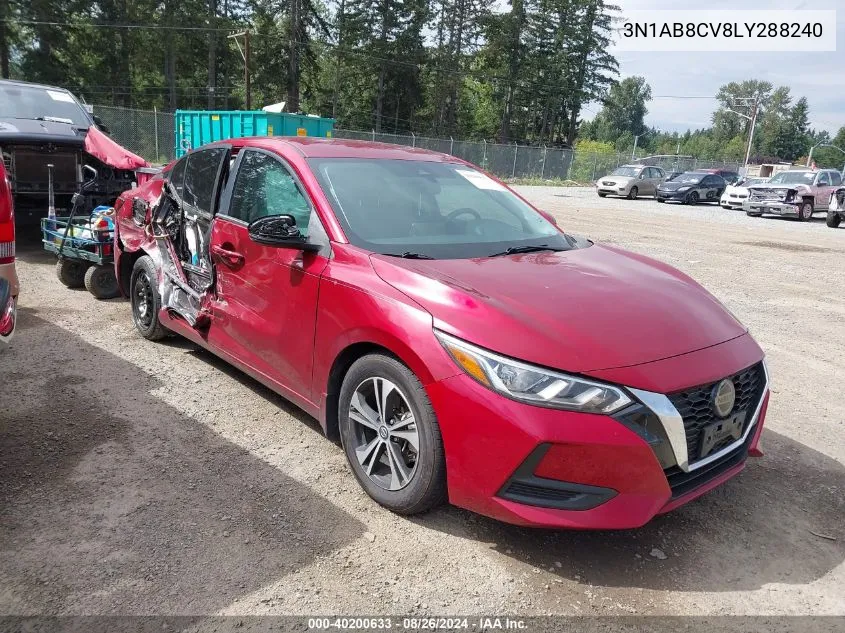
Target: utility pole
column 634, row 151
column 245, row 54
column 754, row 102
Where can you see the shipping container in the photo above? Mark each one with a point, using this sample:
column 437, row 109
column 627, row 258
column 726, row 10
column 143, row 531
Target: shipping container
column 198, row 127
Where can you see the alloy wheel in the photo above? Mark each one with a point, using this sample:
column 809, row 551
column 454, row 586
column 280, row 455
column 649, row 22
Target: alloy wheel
column 386, row 440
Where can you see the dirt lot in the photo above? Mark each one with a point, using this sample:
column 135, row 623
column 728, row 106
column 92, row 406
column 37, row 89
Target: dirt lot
column 146, row 478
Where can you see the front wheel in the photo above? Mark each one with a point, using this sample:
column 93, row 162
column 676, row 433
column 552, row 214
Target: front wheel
column 602, row 195
column 390, row 435
column 632, row 195
column 833, row 219
column 661, row 200
column 806, row 211
column 146, row 302
column 692, row 198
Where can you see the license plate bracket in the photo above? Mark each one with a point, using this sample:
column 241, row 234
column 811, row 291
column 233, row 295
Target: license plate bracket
column 714, row 433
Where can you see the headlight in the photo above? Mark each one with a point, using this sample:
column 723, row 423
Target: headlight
column 790, row 196
column 531, row 384
column 682, row 189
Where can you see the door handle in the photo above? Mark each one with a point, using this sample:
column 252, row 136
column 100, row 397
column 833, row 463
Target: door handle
column 233, row 259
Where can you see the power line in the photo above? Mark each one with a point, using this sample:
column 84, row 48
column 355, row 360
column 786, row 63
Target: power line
column 100, row 25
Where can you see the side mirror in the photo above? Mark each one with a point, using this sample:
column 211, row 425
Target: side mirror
column 279, row 230
column 99, row 122
column 642, row 176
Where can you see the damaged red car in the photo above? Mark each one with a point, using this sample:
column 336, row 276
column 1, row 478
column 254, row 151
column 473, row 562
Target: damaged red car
column 458, row 342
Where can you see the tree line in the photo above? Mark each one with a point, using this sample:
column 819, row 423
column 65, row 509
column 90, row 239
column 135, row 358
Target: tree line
column 782, row 132
column 441, row 67
column 525, row 72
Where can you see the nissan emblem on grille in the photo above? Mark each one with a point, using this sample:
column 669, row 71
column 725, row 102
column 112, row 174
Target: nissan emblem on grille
column 724, row 397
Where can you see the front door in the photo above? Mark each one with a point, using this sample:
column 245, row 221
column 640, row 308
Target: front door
column 824, row 188
column 265, row 308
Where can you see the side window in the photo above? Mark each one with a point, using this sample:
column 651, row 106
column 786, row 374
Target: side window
column 200, row 178
column 823, row 179
column 835, row 178
column 177, row 177
column 263, row 186
column 656, row 172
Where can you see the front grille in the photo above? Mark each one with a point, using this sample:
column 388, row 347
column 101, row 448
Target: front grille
column 682, row 483
column 696, row 407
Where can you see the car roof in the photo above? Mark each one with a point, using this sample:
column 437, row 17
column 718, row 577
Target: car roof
column 312, row 147
column 30, row 84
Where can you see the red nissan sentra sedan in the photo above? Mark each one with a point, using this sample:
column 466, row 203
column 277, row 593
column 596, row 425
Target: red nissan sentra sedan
column 460, row 344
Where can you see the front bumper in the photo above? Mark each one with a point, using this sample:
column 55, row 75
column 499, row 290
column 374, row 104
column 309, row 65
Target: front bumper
column 671, row 195
column 774, row 207
column 550, row 468
column 614, row 190
column 732, row 203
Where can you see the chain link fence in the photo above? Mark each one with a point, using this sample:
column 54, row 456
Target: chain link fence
column 151, row 134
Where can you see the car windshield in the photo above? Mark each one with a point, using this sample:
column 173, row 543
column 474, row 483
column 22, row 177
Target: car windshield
column 688, row 179
column 628, row 172
column 37, row 102
column 430, row 210
column 793, row 178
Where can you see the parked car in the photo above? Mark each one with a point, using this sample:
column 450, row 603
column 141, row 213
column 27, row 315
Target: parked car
column 730, row 176
column 631, row 181
column 836, row 208
column 44, row 125
column 798, row 193
column 458, row 342
column 692, row 187
column 8, row 273
column 735, row 194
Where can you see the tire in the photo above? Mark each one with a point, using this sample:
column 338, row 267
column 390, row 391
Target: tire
column 692, row 198
column 753, row 214
column 71, row 273
column 602, row 195
column 145, row 300
column 424, row 483
column 833, row 219
column 101, row 282
column 660, row 200
column 632, row 195
column 805, row 213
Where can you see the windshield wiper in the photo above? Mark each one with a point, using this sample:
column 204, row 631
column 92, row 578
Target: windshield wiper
column 54, row 119
column 409, row 255
column 514, row 250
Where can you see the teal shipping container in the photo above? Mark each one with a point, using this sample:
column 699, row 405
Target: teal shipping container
column 198, row 127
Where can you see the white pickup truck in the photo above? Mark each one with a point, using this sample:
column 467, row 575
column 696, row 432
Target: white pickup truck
column 797, row 192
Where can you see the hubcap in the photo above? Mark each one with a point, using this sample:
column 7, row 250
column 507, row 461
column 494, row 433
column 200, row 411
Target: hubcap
column 386, row 441
column 143, row 300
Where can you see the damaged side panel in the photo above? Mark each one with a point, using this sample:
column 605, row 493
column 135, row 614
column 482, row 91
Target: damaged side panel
column 186, row 274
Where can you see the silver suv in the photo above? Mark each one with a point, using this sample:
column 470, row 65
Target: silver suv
column 631, row 181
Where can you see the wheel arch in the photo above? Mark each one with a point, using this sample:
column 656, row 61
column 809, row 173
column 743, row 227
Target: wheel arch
column 344, row 359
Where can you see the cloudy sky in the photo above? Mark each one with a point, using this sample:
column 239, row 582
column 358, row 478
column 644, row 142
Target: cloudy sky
column 819, row 76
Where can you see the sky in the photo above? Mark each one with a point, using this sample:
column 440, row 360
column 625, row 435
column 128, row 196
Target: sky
column 819, row 76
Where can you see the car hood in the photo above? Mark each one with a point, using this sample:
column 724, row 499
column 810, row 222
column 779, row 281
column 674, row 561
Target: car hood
column 674, row 186
column 619, row 180
column 581, row 310
column 32, row 131
column 779, row 187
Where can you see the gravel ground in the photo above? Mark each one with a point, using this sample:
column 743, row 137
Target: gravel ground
column 143, row 478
